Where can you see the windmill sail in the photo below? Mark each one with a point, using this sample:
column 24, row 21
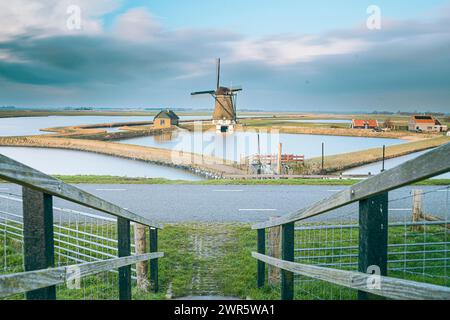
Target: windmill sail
column 224, row 114
column 218, row 74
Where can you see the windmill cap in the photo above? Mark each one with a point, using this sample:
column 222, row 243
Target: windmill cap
column 223, row 90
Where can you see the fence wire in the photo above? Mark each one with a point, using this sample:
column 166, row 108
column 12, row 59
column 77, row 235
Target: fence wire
column 80, row 235
column 418, row 245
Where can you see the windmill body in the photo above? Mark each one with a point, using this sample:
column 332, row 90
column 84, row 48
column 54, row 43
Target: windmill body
column 224, row 115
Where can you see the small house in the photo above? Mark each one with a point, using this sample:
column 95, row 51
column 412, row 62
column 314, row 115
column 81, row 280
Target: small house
column 165, row 119
column 364, row 124
column 426, row 124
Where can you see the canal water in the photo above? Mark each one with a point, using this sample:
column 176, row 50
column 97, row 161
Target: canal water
column 23, row 126
column 228, row 146
column 71, row 162
column 375, row 168
column 234, row 146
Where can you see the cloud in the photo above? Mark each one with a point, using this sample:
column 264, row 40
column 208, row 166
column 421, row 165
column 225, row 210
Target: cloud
column 138, row 25
column 137, row 61
column 49, row 17
column 285, row 50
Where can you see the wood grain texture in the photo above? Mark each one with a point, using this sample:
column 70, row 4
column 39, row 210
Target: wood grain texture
column 38, row 246
column 16, row 172
column 431, row 164
column 153, row 235
column 124, row 250
column 27, row 281
column 261, row 247
column 373, row 237
column 392, row 288
column 142, row 268
column 287, row 253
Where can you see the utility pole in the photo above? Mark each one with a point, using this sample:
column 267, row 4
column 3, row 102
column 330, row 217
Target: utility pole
column 259, row 157
column 280, row 152
column 384, row 155
column 323, row 156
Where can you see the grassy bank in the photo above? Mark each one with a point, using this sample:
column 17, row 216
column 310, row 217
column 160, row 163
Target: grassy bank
column 184, row 160
column 90, row 179
column 318, row 128
column 350, row 160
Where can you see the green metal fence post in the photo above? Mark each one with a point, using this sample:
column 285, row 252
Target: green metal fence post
column 39, row 251
column 154, row 262
column 373, row 240
column 124, row 248
column 261, row 247
column 287, row 254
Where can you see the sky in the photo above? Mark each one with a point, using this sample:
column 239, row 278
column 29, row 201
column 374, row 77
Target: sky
column 288, row 55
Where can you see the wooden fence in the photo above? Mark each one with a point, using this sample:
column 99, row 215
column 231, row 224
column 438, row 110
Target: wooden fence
column 40, row 276
column 270, row 158
column 372, row 195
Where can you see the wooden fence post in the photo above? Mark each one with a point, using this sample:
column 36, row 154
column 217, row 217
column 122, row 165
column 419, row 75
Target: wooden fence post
column 140, row 243
column 261, row 247
column 373, row 239
column 38, row 238
column 287, row 252
column 417, row 213
column 279, row 158
column 124, row 248
column 154, row 262
column 274, row 250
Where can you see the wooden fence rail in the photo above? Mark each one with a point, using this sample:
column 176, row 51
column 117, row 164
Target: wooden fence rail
column 23, row 282
column 38, row 189
column 425, row 166
column 392, row 288
column 16, row 172
column 372, row 195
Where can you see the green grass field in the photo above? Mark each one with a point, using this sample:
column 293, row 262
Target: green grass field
column 221, row 253
column 89, row 179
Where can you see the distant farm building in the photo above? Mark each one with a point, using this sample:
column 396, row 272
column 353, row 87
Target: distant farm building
column 165, row 119
column 426, row 123
column 364, row 124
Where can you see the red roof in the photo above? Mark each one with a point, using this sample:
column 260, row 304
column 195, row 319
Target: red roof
column 365, row 123
column 424, row 119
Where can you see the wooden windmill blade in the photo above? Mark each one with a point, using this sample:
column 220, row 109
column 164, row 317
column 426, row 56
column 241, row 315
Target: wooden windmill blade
column 235, row 89
column 224, row 97
column 203, row 92
column 218, row 74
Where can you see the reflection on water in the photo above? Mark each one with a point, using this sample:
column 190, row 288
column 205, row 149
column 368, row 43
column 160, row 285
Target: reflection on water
column 164, row 137
column 240, row 144
column 70, row 162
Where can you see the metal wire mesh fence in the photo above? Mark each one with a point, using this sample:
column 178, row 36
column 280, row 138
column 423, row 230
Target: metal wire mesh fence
column 11, row 234
column 332, row 243
column 80, row 235
column 418, row 243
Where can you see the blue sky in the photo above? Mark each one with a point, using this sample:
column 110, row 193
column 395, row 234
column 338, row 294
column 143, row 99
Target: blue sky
column 288, row 55
column 259, row 17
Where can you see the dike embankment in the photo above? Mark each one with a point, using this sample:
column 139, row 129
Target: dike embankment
column 202, row 165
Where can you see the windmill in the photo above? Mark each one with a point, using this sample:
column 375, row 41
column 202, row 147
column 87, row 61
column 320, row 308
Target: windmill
column 224, row 115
